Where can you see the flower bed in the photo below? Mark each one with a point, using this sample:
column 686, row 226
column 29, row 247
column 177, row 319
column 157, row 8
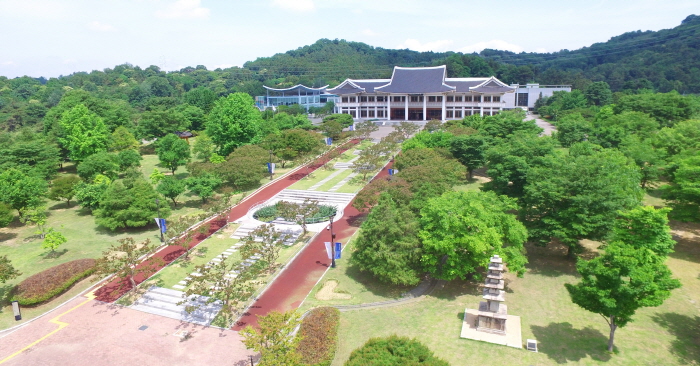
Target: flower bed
column 269, row 213
column 319, row 331
column 52, row 282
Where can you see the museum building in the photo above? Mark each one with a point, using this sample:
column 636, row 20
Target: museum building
column 420, row 94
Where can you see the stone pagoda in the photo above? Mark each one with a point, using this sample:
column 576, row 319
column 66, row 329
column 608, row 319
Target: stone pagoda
column 493, row 313
column 488, row 323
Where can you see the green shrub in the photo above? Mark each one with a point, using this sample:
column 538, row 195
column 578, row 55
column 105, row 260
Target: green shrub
column 319, row 331
column 269, row 213
column 52, row 282
column 393, row 350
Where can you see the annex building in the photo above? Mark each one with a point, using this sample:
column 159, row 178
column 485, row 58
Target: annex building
column 299, row 94
column 420, row 94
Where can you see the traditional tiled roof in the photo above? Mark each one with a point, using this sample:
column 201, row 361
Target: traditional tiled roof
column 350, row 86
column 492, row 86
column 417, row 80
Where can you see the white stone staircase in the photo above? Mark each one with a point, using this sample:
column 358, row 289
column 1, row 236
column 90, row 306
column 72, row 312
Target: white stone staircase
column 163, row 302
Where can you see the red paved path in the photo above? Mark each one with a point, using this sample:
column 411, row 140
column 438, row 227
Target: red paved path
column 117, row 287
column 299, row 277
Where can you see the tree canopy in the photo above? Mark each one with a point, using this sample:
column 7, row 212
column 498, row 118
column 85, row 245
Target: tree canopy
column 234, row 121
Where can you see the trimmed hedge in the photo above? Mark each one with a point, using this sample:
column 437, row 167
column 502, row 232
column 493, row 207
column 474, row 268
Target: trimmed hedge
column 319, row 331
column 52, row 282
column 394, row 350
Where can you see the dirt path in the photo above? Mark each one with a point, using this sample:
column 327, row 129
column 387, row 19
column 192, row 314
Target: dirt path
column 301, row 275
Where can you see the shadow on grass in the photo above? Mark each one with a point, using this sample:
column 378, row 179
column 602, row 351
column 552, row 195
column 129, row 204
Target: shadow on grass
column 687, row 249
column 7, row 236
column 562, row 343
column 686, row 346
column 375, row 287
column 55, row 254
column 62, row 205
column 550, row 261
column 456, row 288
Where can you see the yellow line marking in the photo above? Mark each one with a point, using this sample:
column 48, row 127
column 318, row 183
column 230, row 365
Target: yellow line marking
column 61, row 325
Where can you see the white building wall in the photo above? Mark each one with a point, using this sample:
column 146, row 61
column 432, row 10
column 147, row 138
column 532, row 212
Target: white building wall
column 534, row 92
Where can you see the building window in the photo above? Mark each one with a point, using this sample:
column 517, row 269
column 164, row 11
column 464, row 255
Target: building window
column 380, row 113
column 380, row 98
column 449, row 114
column 458, row 98
column 345, row 99
column 487, row 98
column 439, row 98
column 363, row 99
column 477, row 98
column 414, row 98
column 467, row 98
column 352, row 113
column 370, row 98
column 352, row 99
column 496, row 99
column 371, row 113
column 431, row 98
column 450, row 98
column 458, row 114
column 363, row 113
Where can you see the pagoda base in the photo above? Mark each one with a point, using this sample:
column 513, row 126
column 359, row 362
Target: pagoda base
column 511, row 338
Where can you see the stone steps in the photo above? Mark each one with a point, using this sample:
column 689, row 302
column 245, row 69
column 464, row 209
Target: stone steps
column 163, row 302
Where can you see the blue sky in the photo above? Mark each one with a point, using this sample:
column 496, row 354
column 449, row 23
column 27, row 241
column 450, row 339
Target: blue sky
column 50, row 38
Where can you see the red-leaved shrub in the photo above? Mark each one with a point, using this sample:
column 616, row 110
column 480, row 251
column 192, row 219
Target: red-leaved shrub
column 52, row 282
column 319, row 331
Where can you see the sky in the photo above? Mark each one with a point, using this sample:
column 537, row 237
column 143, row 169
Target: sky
column 58, row 37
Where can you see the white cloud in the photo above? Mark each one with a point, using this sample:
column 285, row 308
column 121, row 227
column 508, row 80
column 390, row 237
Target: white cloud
column 541, row 50
column 100, row 27
column 369, row 32
column 495, row 44
column 295, row 5
column 184, row 9
column 416, row 45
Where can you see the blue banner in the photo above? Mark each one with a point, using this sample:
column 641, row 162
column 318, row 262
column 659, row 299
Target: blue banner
column 163, row 228
column 271, row 168
column 329, row 141
column 391, row 171
column 338, row 250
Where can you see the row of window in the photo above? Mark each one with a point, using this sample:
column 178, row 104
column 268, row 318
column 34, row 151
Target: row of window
column 419, row 98
column 381, row 113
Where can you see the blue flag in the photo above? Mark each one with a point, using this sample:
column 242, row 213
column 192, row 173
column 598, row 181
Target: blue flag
column 270, row 168
column 391, row 171
column 162, row 226
column 338, row 250
column 329, row 141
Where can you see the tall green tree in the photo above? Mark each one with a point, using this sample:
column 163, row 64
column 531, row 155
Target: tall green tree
column 64, row 188
column 6, row 214
column 388, row 246
column 172, row 151
column 598, row 93
column 631, row 274
column 122, row 139
column 128, row 159
column 90, row 194
column 203, row 185
column 102, row 163
column 683, row 194
column 577, row 196
column 234, row 121
column 85, row 133
column 124, row 206
column 21, row 191
column 171, row 187
column 470, row 150
column 460, row 231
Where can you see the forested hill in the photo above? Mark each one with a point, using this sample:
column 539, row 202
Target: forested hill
column 665, row 60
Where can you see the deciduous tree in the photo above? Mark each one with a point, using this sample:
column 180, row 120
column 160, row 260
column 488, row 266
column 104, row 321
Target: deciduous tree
column 388, row 246
column 129, row 206
column 85, row 133
column 470, row 151
column 64, row 188
column 124, row 261
column 52, row 240
column 460, row 231
column 234, row 121
column 7, row 271
column 275, row 339
column 172, row 151
column 266, row 242
column 21, row 191
column 171, row 187
column 203, row 185
column 102, row 163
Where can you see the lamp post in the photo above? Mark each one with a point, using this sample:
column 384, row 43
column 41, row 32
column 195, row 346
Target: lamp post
column 162, row 240
column 330, row 218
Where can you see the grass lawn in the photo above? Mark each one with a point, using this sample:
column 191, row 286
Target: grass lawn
column 664, row 335
column 331, row 183
column 360, row 285
column 308, row 181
